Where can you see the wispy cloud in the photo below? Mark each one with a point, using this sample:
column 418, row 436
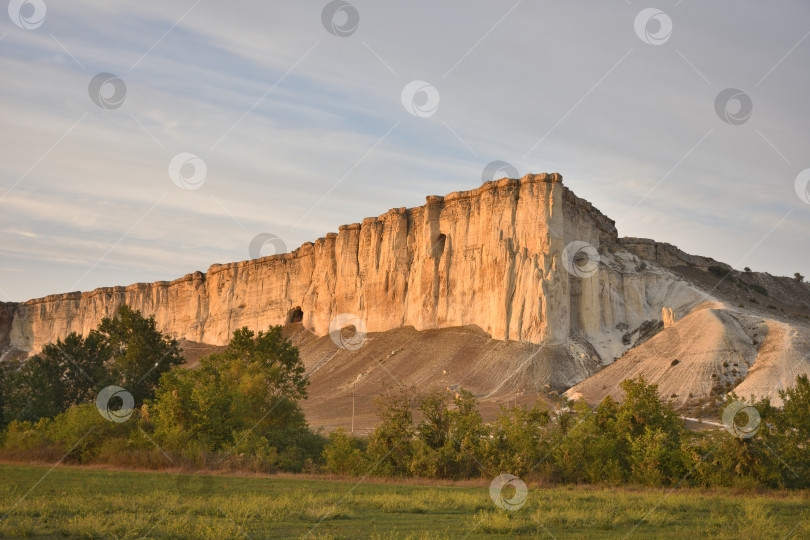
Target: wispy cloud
column 191, row 75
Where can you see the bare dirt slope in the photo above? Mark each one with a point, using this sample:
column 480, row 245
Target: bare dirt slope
column 716, row 349
column 496, row 371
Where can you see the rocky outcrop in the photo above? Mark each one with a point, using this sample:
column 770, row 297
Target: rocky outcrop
column 491, row 257
column 7, row 310
column 526, row 261
column 667, row 254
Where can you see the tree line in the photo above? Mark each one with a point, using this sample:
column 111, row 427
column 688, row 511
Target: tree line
column 239, row 410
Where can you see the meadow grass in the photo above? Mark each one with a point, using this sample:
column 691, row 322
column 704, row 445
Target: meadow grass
column 92, row 503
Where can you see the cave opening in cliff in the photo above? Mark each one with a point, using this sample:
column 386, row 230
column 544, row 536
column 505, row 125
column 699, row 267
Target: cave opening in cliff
column 295, row 315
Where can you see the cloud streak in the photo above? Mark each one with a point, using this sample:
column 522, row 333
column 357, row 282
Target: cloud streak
column 279, row 122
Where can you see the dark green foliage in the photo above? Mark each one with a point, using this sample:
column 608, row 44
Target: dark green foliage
column 64, row 373
column 790, row 434
column 389, row 446
column 33, row 389
column 237, row 410
column 140, row 354
column 344, row 454
column 127, row 351
column 719, row 271
column 641, row 440
column 240, row 401
column 759, row 289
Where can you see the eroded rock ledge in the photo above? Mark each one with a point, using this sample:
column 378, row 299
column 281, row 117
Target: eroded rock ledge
column 489, row 257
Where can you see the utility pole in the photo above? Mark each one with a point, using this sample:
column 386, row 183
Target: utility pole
column 353, row 385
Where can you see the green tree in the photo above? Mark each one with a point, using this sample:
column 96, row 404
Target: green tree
column 240, row 401
column 449, row 437
column 467, row 434
column 64, row 373
column 140, row 353
column 593, row 450
column 519, row 441
column 653, row 433
column 390, row 446
column 344, row 454
column 81, row 364
column 33, row 390
column 798, row 277
column 791, row 434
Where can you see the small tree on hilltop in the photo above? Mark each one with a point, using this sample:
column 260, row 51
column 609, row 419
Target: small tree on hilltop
column 798, row 277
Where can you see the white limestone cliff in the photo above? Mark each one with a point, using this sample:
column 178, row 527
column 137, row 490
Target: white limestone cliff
column 489, row 257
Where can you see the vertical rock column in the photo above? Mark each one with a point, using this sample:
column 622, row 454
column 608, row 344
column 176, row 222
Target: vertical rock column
column 556, row 307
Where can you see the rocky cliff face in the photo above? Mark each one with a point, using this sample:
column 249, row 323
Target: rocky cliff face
column 7, row 310
column 492, row 257
column 667, row 254
column 503, row 258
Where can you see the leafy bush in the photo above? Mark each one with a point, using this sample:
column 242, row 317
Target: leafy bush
column 241, row 401
column 344, row 454
column 126, row 350
column 719, row 271
column 758, row 288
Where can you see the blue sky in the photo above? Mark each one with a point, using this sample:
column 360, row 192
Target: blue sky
column 302, row 131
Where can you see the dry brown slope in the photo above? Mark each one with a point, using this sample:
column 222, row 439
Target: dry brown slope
column 459, row 357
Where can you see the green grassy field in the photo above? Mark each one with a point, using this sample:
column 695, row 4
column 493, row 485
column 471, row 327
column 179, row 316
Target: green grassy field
column 92, row 503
